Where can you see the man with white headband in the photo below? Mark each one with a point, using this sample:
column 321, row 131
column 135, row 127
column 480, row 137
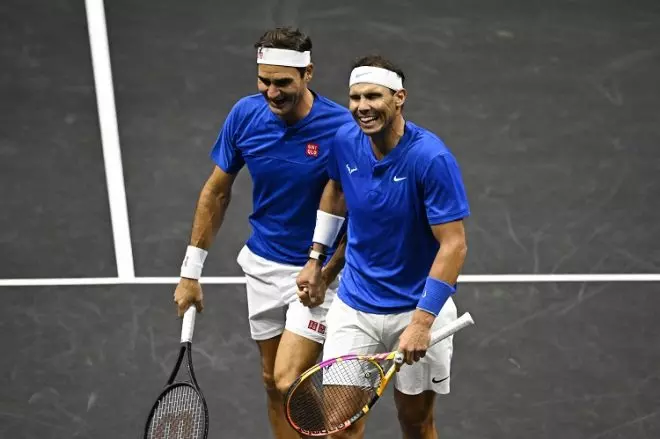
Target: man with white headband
column 283, row 135
column 406, row 242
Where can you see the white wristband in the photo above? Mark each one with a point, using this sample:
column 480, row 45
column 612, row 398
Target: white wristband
column 193, row 262
column 327, row 228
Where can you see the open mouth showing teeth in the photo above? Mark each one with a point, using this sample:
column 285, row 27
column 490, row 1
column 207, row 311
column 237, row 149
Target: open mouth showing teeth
column 367, row 119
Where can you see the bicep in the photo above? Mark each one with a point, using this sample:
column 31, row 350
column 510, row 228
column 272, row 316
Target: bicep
column 451, row 233
column 220, row 181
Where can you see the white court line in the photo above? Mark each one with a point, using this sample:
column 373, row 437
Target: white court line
column 105, row 101
column 235, row 280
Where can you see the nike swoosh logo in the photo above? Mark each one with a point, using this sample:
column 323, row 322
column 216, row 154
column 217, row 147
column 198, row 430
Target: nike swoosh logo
column 399, row 178
column 439, row 381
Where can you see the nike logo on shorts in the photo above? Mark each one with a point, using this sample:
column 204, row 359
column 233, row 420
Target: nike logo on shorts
column 435, row 381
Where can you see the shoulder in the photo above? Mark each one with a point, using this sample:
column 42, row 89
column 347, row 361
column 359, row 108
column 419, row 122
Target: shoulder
column 332, row 109
column 345, row 138
column 247, row 105
column 247, row 112
column 426, row 144
column 430, row 151
column 347, row 133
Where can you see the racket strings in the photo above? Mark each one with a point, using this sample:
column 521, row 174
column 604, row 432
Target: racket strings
column 179, row 414
column 329, row 398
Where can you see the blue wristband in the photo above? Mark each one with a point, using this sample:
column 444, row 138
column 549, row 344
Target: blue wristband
column 435, row 295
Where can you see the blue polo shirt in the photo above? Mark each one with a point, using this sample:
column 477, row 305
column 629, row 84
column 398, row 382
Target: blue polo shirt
column 288, row 167
column 392, row 204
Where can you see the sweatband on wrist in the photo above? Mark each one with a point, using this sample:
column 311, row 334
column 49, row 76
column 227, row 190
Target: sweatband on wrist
column 193, row 262
column 435, row 295
column 327, row 228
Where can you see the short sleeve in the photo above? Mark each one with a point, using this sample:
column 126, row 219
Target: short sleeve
column 445, row 197
column 225, row 153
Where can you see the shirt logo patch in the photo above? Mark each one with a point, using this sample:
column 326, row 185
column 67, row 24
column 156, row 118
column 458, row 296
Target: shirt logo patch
column 312, row 150
column 399, row 178
column 350, row 170
column 316, row 326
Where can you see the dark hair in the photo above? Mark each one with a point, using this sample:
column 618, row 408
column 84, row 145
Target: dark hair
column 378, row 61
column 286, row 38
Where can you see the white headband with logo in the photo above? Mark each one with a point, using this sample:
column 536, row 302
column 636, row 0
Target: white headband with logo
column 283, row 57
column 376, row 75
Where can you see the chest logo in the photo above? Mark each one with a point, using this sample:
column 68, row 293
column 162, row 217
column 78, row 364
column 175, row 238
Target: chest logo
column 399, row 178
column 312, row 150
column 350, row 170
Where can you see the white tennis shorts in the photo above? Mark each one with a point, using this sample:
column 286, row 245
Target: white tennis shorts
column 355, row 332
column 273, row 303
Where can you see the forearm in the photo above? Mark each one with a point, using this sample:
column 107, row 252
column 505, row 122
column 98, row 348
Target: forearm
column 449, row 261
column 441, row 280
column 332, row 202
column 210, row 211
column 336, row 262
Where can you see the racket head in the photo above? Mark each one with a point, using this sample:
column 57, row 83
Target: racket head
column 180, row 411
column 332, row 395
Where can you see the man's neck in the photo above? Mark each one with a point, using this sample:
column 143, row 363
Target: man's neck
column 303, row 107
column 384, row 142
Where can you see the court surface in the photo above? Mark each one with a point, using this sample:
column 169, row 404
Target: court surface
column 551, row 108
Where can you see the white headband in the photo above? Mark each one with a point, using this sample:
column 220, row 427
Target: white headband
column 376, row 75
column 283, row 57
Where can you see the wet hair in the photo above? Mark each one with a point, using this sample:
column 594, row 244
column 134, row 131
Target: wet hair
column 378, row 61
column 286, row 38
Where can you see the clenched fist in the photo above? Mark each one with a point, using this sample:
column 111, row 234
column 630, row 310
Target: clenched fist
column 188, row 292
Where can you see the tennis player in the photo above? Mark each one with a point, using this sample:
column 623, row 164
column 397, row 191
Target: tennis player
column 283, row 135
column 406, row 242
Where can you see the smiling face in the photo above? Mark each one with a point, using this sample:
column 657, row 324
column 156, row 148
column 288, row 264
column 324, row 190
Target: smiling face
column 282, row 87
column 375, row 107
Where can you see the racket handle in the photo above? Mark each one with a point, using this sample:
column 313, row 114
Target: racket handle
column 188, row 325
column 451, row 328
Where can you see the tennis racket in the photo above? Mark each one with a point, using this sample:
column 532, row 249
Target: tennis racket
column 180, row 411
column 334, row 394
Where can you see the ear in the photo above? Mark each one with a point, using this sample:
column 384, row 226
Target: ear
column 309, row 72
column 400, row 97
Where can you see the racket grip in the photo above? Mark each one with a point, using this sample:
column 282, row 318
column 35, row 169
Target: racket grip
column 451, row 328
column 188, row 325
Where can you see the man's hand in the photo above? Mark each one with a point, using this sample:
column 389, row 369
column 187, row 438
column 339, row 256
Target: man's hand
column 311, row 284
column 415, row 339
column 187, row 293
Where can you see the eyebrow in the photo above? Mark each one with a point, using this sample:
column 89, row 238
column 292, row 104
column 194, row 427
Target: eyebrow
column 278, row 81
column 368, row 95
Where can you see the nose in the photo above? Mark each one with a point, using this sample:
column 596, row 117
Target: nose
column 363, row 105
column 272, row 92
